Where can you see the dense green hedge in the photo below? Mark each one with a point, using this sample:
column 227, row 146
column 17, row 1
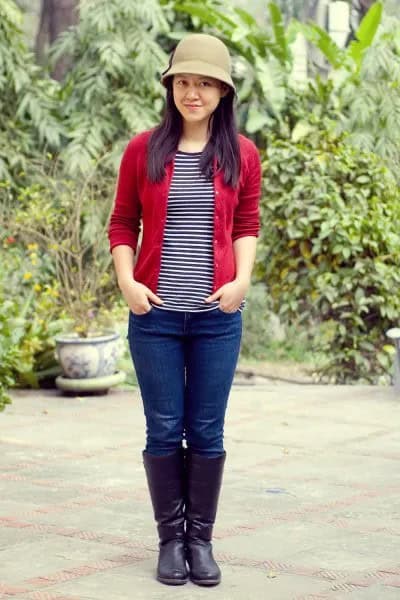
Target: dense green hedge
column 29, row 317
column 330, row 249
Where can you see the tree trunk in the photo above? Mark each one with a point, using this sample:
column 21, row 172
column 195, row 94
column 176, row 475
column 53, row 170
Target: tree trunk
column 56, row 16
column 64, row 14
column 313, row 10
column 43, row 31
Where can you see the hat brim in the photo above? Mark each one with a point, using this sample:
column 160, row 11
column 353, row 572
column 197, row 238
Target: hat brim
column 197, row 67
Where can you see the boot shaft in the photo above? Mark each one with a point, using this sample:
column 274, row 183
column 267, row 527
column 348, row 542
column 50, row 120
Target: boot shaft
column 165, row 479
column 203, row 485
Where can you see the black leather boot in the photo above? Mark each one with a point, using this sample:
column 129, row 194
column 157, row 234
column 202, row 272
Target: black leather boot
column 165, row 480
column 203, row 484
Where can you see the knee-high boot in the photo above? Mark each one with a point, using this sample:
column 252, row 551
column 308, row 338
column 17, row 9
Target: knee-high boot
column 165, row 481
column 203, row 484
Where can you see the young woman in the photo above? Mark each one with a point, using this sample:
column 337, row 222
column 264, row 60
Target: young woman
column 194, row 183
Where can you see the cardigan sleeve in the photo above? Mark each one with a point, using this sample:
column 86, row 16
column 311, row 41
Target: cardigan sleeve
column 247, row 214
column 124, row 226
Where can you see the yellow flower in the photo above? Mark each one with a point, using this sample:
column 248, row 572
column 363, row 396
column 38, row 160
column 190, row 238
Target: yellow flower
column 54, row 246
column 27, row 275
column 37, row 287
column 32, row 247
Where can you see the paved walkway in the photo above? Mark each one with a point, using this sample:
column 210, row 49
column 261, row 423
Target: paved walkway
column 310, row 507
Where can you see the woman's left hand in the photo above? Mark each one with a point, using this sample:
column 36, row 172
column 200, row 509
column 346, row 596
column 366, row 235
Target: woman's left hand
column 230, row 295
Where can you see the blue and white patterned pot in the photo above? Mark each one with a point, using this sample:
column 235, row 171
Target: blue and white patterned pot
column 82, row 358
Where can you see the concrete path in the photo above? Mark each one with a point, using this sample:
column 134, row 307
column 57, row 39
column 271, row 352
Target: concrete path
column 310, row 507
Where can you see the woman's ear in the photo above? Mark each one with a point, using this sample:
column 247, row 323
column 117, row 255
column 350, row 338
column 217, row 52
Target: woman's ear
column 224, row 90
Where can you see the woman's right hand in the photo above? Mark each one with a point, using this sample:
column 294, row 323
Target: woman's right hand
column 138, row 296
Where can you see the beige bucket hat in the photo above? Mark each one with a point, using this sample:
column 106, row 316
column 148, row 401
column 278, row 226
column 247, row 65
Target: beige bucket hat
column 201, row 54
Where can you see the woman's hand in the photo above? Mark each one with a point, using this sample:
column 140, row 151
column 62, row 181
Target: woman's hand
column 138, row 296
column 230, row 295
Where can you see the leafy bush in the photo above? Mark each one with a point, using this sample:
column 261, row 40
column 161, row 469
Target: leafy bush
column 28, row 100
column 66, row 219
column 29, row 319
column 366, row 83
column 256, row 330
column 330, row 249
column 9, row 354
column 371, row 103
column 111, row 91
column 265, row 338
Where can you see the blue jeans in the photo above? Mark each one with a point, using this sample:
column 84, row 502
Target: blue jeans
column 185, row 363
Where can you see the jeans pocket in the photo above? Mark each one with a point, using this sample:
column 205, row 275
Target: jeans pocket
column 139, row 316
column 227, row 313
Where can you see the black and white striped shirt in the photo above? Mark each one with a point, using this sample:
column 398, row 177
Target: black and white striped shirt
column 187, row 259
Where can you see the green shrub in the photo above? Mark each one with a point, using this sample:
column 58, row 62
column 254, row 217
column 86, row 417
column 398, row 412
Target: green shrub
column 9, row 354
column 256, row 329
column 265, row 338
column 111, row 91
column 330, row 249
column 66, row 219
column 29, row 317
column 371, row 103
column 56, row 268
column 28, row 101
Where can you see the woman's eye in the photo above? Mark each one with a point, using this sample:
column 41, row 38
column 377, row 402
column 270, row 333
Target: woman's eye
column 205, row 83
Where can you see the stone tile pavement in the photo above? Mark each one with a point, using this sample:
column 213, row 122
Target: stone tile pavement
column 310, row 507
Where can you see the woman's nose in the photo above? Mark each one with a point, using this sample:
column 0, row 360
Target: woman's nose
column 192, row 92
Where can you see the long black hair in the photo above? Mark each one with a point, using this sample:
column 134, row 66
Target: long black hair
column 223, row 143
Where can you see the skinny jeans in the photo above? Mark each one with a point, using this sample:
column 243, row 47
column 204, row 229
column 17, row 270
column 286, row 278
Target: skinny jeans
column 185, row 363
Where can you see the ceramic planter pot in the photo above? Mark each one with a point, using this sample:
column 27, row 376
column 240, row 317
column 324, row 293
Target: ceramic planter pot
column 89, row 364
column 92, row 385
column 83, row 358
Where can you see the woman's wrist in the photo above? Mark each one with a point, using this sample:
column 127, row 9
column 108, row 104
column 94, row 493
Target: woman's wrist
column 243, row 280
column 124, row 280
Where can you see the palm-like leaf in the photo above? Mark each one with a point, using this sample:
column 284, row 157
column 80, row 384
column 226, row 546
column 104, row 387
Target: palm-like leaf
column 282, row 47
column 365, row 33
column 323, row 41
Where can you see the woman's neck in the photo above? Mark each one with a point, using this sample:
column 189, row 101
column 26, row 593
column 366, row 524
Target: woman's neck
column 194, row 137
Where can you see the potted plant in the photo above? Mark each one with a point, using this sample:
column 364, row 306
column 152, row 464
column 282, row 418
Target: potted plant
column 68, row 219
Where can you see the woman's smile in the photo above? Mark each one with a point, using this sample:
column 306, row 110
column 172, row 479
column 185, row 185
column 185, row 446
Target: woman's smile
column 196, row 95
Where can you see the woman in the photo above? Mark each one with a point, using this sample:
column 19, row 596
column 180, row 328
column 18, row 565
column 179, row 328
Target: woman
column 195, row 184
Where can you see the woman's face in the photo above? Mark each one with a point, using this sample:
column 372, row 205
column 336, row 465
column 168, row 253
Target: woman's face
column 196, row 97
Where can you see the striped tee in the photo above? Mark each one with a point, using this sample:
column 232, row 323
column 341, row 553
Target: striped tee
column 187, row 259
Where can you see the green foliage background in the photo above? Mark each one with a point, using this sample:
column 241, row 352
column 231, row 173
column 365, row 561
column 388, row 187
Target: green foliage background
column 330, row 250
column 29, row 120
column 112, row 90
column 328, row 254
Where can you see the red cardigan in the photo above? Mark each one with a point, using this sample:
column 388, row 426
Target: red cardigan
column 236, row 211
